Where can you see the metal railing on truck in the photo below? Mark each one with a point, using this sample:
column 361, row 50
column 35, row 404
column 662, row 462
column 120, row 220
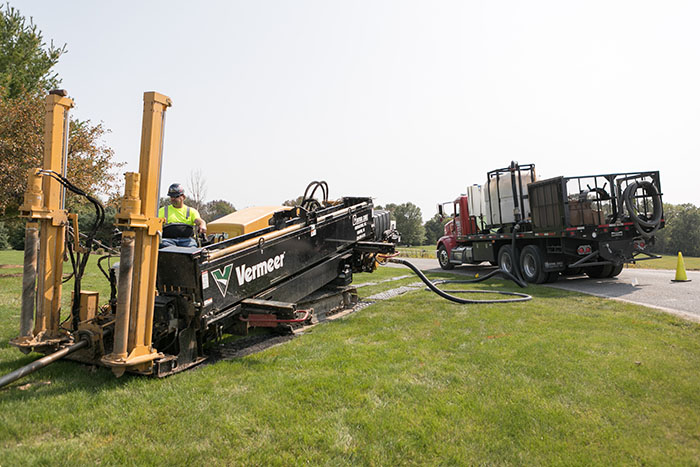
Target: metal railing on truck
column 513, row 177
column 562, row 202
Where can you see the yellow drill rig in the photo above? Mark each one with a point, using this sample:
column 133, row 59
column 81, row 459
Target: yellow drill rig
column 171, row 303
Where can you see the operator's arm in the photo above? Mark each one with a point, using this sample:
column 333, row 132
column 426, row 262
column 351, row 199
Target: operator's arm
column 201, row 225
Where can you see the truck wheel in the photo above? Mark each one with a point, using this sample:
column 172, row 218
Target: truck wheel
column 616, row 270
column 600, row 271
column 506, row 259
column 444, row 258
column 532, row 265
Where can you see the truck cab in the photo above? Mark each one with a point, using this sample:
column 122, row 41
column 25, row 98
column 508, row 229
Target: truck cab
column 461, row 224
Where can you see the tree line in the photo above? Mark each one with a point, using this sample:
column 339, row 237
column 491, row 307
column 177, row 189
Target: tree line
column 409, row 223
column 681, row 232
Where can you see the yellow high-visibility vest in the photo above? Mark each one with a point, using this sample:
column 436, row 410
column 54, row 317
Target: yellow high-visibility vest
column 172, row 215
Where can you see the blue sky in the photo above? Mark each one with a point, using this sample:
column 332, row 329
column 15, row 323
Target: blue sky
column 399, row 100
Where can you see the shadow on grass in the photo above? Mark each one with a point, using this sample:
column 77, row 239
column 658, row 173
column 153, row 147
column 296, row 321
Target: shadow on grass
column 62, row 378
column 65, row 377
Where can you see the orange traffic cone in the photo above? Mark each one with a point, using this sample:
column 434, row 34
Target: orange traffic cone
column 681, row 276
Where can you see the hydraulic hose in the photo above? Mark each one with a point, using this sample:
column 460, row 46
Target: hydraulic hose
column 308, row 201
column 79, row 264
column 444, row 293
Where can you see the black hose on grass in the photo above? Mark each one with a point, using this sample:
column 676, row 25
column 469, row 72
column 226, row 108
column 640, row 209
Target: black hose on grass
column 444, row 293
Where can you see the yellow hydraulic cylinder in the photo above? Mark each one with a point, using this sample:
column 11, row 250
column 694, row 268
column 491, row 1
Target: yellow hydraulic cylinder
column 139, row 214
column 52, row 231
column 44, row 209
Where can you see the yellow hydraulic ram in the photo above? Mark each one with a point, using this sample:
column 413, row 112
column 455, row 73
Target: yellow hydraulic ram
column 138, row 216
column 43, row 207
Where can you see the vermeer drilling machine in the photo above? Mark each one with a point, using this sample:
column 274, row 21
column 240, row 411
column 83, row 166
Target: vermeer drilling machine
column 167, row 305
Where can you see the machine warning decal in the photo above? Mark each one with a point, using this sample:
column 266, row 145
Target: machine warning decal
column 221, row 278
column 359, row 219
column 360, row 223
column 205, row 280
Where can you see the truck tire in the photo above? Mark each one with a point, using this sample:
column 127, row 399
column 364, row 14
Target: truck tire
column 506, row 259
column 444, row 258
column 599, row 272
column 532, row 265
column 616, row 270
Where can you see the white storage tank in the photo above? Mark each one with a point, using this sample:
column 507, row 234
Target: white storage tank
column 476, row 205
column 501, row 187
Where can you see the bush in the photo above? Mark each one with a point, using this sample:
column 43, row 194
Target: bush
column 682, row 231
column 4, row 237
column 15, row 234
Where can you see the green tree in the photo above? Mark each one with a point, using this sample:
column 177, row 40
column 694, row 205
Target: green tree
column 409, row 222
column 25, row 59
column 434, row 229
column 4, row 237
column 216, row 209
column 662, row 236
column 681, row 232
column 91, row 164
column 684, row 230
column 106, row 234
column 25, row 76
column 21, row 146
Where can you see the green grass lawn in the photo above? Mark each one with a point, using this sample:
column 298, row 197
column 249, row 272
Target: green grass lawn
column 668, row 262
column 425, row 251
column 562, row 379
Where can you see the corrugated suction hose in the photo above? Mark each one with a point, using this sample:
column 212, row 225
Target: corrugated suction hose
column 646, row 227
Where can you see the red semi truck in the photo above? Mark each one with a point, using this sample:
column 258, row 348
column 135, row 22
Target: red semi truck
column 590, row 224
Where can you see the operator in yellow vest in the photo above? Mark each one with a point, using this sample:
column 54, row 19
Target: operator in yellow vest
column 181, row 221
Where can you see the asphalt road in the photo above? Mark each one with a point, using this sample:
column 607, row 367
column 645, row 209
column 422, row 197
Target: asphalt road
column 649, row 287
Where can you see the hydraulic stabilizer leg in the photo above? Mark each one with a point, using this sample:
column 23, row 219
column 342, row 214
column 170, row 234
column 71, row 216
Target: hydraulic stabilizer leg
column 126, row 270
column 138, row 215
column 31, row 251
column 43, row 207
